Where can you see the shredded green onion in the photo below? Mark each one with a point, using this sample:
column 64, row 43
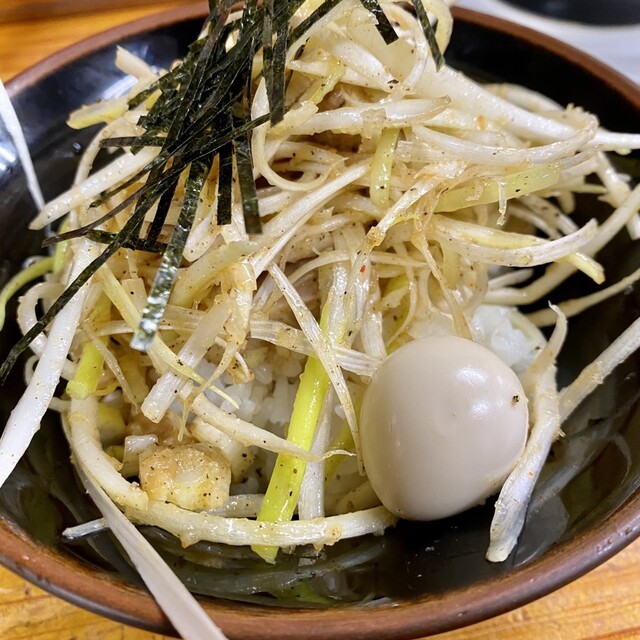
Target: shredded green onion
column 34, row 271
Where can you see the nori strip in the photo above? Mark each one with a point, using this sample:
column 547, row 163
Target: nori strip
column 267, row 48
column 278, row 72
column 385, row 28
column 156, row 189
column 124, row 142
column 164, row 204
column 137, row 244
column 429, row 33
column 168, row 268
column 225, row 184
column 309, row 21
column 244, row 165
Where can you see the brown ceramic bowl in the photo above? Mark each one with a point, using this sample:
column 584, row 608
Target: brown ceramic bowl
column 419, row 578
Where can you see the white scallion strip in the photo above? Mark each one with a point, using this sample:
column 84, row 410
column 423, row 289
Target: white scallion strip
column 355, row 120
column 595, row 373
column 323, row 349
column 85, row 529
column 511, row 506
column 27, row 316
column 311, row 500
column 240, row 506
column 24, row 421
column 163, row 393
column 557, row 273
column 501, row 156
column 186, row 615
column 244, row 432
column 102, row 180
column 510, row 278
column 493, row 246
column 84, row 439
column 192, row 527
column 472, row 97
column 277, row 232
column 295, row 340
column 15, row 131
column 570, row 308
column 133, row 65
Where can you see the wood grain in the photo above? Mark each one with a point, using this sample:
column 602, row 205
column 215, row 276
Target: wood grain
column 14, row 10
column 25, row 42
column 604, row 604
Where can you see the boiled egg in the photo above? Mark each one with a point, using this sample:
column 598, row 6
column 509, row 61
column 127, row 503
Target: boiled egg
column 443, row 422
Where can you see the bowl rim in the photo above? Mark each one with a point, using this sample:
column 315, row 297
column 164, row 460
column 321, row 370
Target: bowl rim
column 73, row 580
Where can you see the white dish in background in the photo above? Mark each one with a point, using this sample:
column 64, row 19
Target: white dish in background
column 617, row 46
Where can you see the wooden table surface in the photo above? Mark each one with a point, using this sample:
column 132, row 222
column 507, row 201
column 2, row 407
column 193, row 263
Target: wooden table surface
column 603, row 604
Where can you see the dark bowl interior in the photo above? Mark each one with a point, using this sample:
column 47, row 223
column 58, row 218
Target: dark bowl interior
column 419, row 578
column 615, row 12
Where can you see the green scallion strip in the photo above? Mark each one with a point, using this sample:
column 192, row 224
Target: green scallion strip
column 91, row 362
column 88, row 372
column 281, row 496
column 22, row 278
